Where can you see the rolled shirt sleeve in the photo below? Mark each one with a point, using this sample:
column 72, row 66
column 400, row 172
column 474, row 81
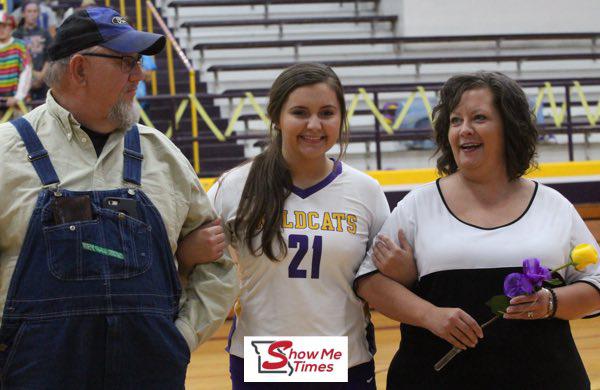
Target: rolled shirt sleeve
column 212, row 288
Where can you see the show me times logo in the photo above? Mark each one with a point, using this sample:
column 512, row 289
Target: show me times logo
column 295, row 359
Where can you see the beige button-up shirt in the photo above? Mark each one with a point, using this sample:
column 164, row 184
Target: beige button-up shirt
column 167, row 178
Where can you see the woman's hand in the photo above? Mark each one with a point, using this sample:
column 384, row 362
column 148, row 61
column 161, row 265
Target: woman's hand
column 529, row 307
column 203, row 245
column 392, row 260
column 453, row 325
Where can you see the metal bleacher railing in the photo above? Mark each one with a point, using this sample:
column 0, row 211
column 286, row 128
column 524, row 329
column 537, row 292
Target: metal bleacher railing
column 176, row 4
column 416, row 61
column 224, row 130
column 152, row 17
column 280, row 23
column 397, row 41
column 384, row 129
column 172, row 43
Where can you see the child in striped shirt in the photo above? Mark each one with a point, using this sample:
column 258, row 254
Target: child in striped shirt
column 15, row 64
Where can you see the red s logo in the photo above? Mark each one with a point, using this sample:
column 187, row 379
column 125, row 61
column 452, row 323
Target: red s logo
column 284, row 344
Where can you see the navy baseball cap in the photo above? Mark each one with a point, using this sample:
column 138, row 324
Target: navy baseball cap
column 104, row 27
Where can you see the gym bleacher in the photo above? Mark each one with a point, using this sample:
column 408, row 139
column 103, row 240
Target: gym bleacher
column 240, row 46
column 236, row 48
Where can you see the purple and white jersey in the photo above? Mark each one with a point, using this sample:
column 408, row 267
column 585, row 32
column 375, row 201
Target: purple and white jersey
column 328, row 228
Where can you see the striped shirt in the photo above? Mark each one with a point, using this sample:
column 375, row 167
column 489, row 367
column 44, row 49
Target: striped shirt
column 13, row 60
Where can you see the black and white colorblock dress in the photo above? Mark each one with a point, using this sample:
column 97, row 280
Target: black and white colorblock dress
column 462, row 265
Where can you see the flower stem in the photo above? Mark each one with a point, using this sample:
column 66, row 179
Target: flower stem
column 490, row 321
column 563, row 266
column 455, row 351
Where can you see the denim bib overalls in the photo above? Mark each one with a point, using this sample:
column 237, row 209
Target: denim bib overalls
column 92, row 304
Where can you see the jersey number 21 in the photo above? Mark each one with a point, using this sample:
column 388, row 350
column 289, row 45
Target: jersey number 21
column 301, row 242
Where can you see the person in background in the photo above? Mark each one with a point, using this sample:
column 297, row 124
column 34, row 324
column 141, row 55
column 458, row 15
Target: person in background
column 148, row 66
column 15, row 64
column 84, row 4
column 37, row 40
column 469, row 230
column 46, row 17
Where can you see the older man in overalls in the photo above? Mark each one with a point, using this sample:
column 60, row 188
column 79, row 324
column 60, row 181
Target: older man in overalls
column 92, row 207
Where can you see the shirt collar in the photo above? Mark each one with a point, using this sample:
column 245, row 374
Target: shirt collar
column 5, row 44
column 67, row 121
column 65, row 118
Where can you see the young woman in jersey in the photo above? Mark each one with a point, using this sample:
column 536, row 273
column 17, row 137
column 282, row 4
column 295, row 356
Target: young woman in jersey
column 301, row 223
column 469, row 230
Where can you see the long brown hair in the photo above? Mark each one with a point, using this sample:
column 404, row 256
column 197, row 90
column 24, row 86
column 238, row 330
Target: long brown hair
column 269, row 182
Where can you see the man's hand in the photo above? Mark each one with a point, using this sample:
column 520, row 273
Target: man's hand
column 203, row 245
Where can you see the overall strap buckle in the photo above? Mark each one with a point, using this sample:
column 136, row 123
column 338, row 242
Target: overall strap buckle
column 132, row 157
column 36, row 153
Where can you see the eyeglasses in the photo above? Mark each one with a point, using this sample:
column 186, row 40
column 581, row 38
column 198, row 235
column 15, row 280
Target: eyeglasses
column 127, row 62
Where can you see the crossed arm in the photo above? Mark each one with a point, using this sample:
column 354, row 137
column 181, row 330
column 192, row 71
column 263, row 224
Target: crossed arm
column 387, row 293
column 203, row 245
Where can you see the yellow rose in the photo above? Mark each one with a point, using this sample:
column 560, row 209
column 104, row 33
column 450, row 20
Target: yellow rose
column 584, row 255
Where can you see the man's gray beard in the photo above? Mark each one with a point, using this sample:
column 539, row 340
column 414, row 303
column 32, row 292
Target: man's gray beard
column 124, row 114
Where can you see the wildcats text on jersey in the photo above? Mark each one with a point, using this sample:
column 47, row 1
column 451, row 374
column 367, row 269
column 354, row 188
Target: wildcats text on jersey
column 314, row 220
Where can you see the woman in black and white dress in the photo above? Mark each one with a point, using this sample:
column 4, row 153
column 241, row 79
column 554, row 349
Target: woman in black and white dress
column 469, row 230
